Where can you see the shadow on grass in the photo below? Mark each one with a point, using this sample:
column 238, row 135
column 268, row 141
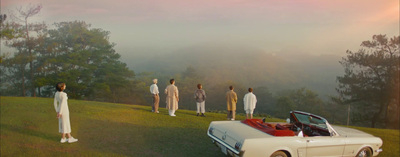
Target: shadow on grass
column 163, row 111
column 139, row 140
column 139, row 108
column 30, row 132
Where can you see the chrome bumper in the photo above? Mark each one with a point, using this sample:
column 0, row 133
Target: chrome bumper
column 379, row 150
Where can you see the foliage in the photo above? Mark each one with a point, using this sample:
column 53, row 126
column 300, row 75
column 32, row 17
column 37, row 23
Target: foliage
column 372, row 79
column 25, row 37
column 187, row 86
column 86, row 60
column 265, row 100
column 301, row 99
column 74, row 53
column 4, row 27
column 6, row 30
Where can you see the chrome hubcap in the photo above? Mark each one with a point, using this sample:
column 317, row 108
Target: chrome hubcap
column 363, row 154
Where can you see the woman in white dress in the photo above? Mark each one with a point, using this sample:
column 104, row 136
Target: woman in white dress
column 61, row 106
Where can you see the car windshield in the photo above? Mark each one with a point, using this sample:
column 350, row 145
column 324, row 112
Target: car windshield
column 311, row 120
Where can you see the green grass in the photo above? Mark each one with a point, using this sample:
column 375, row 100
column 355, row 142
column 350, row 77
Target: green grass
column 390, row 138
column 29, row 127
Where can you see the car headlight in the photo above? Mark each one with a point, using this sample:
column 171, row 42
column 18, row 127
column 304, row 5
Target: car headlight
column 211, row 131
column 238, row 145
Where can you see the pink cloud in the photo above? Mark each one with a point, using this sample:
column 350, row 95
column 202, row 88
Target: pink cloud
column 272, row 11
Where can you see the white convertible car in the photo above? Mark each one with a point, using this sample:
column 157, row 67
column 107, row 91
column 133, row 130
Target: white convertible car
column 306, row 135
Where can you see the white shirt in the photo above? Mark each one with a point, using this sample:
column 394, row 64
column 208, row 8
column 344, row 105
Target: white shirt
column 60, row 103
column 250, row 101
column 154, row 89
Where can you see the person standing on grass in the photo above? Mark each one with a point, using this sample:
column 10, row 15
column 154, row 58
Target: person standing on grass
column 172, row 97
column 156, row 98
column 61, row 106
column 200, row 96
column 250, row 101
column 231, row 100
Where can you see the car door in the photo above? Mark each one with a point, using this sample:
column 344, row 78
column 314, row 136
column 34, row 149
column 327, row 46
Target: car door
column 332, row 146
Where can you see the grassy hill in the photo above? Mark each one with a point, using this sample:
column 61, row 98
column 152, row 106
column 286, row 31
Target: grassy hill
column 29, row 127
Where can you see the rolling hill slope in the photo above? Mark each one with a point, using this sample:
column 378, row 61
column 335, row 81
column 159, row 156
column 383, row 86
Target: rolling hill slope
column 29, row 127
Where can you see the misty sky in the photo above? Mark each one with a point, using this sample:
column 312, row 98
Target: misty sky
column 275, row 26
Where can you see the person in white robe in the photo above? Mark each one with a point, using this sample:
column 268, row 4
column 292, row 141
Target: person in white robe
column 172, row 98
column 61, row 107
column 250, row 101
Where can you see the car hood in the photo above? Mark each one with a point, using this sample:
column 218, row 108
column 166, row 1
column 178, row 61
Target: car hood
column 349, row 132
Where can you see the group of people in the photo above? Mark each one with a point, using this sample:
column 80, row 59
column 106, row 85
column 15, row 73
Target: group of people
column 249, row 101
column 172, row 99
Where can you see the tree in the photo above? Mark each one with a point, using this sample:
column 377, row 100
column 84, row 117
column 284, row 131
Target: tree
column 13, row 77
column 301, row 99
column 3, row 32
column 74, row 53
column 372, row 79
column 265, row 100
column 85, row 59
column 6, row 30
column 25, row 37
column 29, row 41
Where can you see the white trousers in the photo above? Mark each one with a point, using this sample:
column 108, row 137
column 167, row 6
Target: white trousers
column 249, row 111
column 200, row 107
column 171, row 112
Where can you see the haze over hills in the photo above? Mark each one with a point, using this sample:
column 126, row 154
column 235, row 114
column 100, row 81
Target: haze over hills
column 249, row 66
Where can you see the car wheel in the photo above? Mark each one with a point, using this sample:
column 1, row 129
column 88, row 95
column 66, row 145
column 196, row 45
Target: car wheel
column 279, row 154
column 365, row 152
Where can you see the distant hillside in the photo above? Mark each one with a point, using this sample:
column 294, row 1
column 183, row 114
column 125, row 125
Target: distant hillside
column 252, row 67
